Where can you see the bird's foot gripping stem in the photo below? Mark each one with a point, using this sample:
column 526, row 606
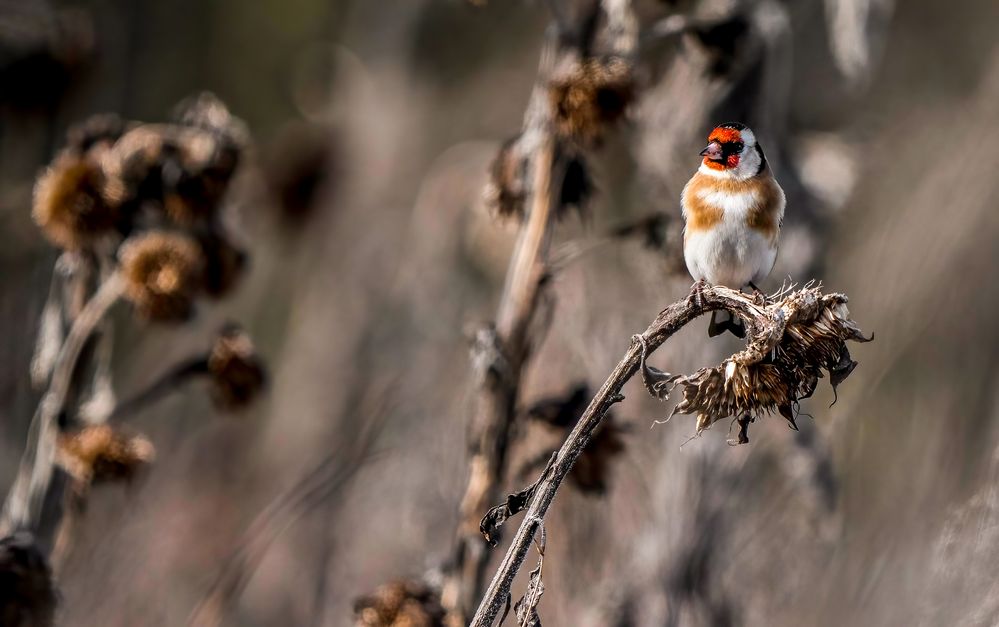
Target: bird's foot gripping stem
column 758, row 296
column 697, row 293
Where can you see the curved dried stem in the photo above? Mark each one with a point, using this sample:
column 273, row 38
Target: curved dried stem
column 795, row 326
column 24, row 502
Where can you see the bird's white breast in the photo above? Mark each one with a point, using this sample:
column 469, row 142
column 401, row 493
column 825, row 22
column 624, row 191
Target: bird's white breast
column 730, row 252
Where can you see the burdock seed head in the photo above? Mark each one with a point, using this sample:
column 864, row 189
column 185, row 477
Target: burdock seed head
column 69, row 205
column 237, row 372
column 163, row 272
column 100, row 453
column 591, row 96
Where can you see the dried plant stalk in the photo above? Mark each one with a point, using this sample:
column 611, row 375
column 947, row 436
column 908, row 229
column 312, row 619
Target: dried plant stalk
column 788, row 325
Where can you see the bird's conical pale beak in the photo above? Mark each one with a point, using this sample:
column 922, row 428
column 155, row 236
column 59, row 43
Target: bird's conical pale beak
column 712, row 151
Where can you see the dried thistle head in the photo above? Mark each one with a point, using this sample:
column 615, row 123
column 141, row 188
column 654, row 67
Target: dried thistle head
column 27, row 593
column 402, row 603
column 69, row 203
column 760, row 381
column 101, row 453
column 591, row 96
column 237, row 372
column 506, row 188
column 163, row 272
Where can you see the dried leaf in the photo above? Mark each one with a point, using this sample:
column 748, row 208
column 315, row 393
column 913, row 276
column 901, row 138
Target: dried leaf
column 527, row 607
column 658, row 383
column 490, row 525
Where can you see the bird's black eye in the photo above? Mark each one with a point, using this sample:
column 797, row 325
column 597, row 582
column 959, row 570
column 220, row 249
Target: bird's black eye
column 737, row 146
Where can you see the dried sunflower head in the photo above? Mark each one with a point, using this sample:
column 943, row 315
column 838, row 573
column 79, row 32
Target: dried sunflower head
column 69, row 203
column 590, row 97
column 236, row 371
column 163, row 272
column 100, row 453
column 754, row 382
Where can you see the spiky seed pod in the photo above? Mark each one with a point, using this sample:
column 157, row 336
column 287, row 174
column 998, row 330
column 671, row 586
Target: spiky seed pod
column 591, row 96
column 505, row 190
column 100, row 453
column 27, row 593
column 404, row 603
column 237, row 372
column 69, row 202
column 163, row 273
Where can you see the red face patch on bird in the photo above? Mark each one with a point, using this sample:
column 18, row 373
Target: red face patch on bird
column 723, row 149
column 724, row 135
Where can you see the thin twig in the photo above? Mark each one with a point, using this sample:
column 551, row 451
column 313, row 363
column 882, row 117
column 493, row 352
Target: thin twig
column 24, row 502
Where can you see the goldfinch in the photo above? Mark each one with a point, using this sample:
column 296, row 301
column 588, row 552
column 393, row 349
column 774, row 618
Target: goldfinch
column 732, row 211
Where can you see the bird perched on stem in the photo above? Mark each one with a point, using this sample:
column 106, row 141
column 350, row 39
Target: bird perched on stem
column 732, row 208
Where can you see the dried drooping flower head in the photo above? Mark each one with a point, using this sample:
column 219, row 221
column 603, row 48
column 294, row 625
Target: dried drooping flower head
column 811, row 331
column 205, row 111
column 236, row 371
column 197, row 166
column 69, row 203
column 404, row 603
column 590, row 97
column 100, row 453
column 163, row 273
column 27, row 593
column 506, row 189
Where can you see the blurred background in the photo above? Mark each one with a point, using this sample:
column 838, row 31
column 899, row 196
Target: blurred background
column 372, row 253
